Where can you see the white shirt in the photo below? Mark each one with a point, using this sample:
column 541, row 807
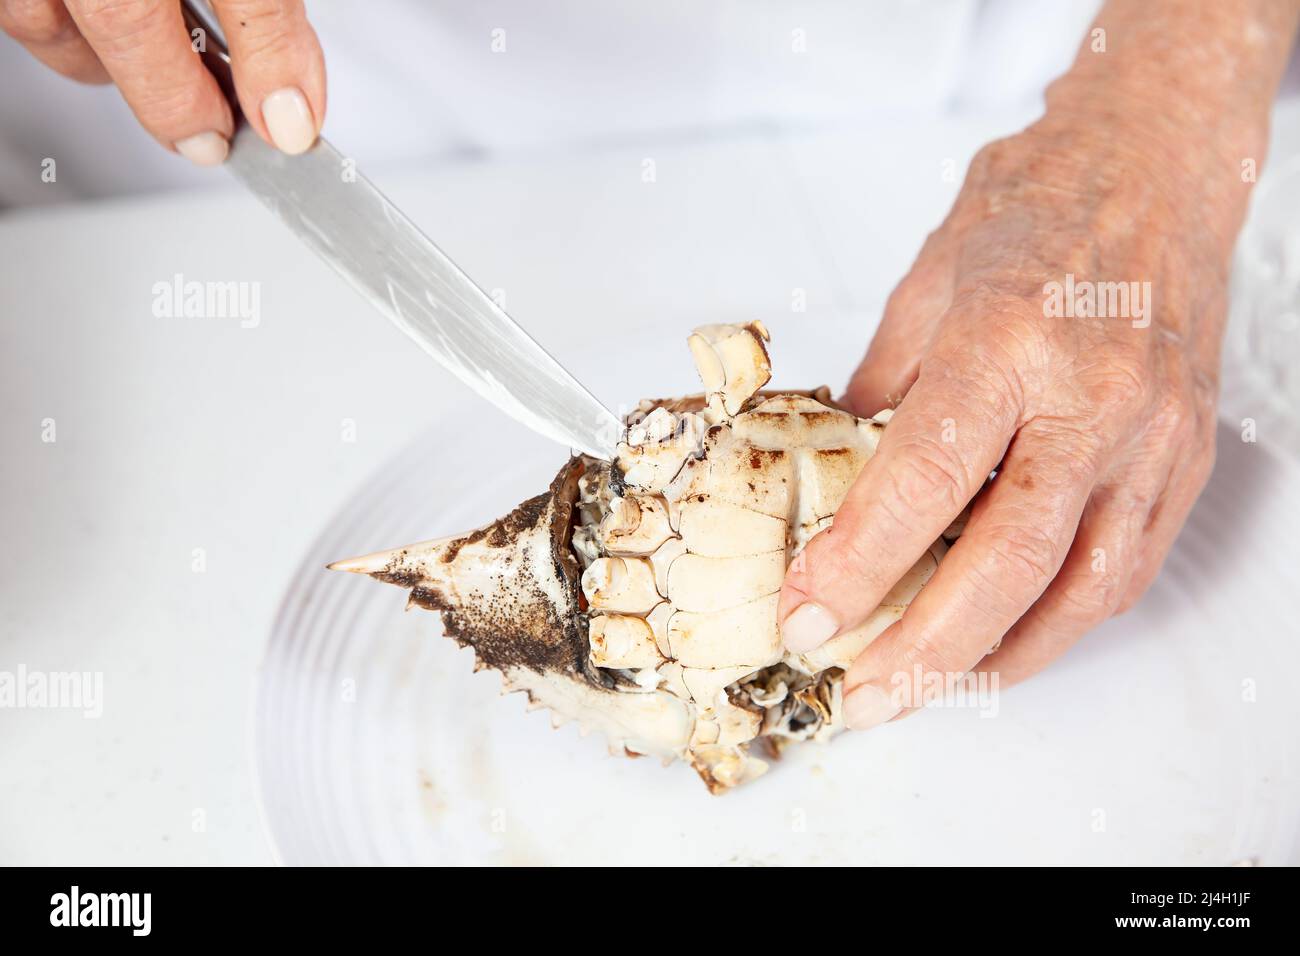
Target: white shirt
column 421, row 81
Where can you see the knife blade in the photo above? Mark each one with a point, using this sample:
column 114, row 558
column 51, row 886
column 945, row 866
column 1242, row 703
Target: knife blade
column 383, row 255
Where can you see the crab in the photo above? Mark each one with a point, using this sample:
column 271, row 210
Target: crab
column 638, row 596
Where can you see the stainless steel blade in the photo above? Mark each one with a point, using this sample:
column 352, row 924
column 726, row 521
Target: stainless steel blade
column 381, row 253
column 352, row 226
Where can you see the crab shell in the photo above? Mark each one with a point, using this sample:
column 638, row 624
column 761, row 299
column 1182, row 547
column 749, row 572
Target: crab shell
column 639, row 597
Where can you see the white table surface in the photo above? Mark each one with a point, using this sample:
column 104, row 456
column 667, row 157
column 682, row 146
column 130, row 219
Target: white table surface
column 184, row 433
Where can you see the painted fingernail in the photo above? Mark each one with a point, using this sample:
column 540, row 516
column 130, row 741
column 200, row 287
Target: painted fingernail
column 809, row 626
column 204, row 149
column 289, row 121
column 866, row 706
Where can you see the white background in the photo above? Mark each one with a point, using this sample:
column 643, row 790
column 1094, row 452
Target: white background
column 177, row 434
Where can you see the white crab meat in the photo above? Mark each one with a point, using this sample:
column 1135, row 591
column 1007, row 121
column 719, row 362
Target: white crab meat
column 623, row 641
column 639, row 597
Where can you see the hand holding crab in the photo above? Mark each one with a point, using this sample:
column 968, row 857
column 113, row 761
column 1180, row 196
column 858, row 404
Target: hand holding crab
column 1062, row 327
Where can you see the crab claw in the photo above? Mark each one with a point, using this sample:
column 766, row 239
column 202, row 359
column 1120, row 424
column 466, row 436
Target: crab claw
column 511, row 591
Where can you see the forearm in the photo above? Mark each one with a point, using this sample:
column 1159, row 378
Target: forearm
column 1178, row 91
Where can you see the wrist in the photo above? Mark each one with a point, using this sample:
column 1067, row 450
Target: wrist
column 1178, row 95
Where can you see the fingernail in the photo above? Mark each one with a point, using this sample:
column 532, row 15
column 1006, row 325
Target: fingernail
column 204, row 149
column 866, row 706
column 289, row 121
column 811, row 625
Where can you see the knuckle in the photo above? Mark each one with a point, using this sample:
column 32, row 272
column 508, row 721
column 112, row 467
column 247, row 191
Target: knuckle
column 935, row 242
column 1080, row 450
column 992, row 159
column 992, row 344
column 1133, row 593
column 910, row 293
column 35, row 21
column 933, row 654
column 926, row 478
column 1091, row 598
column 1020, row 555
column 1120, row 388
column 174, row 103
column 848, row 564
column 1177, row 415
column 1176, row 423
column 1020, row 344
column 1127, row 603
column 839, row 562
column 120, row 23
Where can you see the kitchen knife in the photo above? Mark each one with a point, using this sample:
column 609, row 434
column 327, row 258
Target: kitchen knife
column 366, row 239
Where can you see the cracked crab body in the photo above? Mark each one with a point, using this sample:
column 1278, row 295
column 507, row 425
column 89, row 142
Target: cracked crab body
column 639, row 596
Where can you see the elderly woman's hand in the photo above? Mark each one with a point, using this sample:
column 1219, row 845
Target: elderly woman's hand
column 1100, row 426
column 1062, row 327
column 143, row 46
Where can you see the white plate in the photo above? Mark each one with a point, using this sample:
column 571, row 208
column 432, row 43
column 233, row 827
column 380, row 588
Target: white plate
column 1168, row 736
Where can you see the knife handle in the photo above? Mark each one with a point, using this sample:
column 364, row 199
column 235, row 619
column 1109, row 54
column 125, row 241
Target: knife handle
column 215, row 55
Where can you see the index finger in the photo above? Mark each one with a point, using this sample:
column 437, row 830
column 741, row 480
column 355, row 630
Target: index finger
column 946, row 437
column 1017, row 538
column 144, row 47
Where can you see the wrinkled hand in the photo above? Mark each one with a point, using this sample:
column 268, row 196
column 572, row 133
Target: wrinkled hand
column 143, row 47
column 1100, row 427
